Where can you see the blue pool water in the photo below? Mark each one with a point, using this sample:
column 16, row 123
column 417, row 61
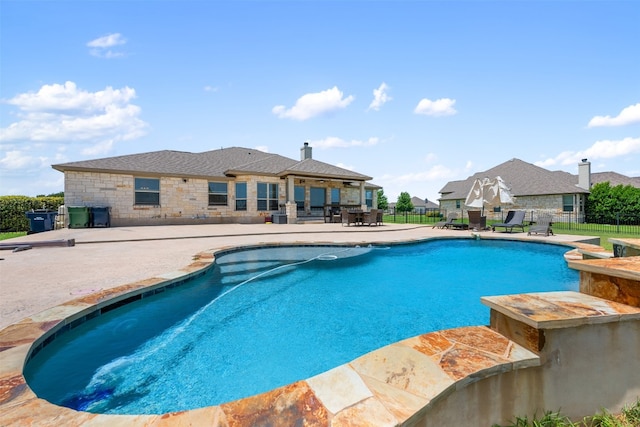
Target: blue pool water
column 263, row 318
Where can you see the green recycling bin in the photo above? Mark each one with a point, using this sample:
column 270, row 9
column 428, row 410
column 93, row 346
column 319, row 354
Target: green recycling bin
column 79, row 217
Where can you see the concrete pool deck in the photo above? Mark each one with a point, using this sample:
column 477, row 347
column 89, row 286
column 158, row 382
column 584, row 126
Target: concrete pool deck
column 37, row 286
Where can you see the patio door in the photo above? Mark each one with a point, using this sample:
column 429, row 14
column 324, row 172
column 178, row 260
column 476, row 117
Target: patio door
column 298, row 197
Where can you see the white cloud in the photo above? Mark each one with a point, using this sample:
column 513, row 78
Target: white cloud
column 100, row 47
column 262, row 148
column 110, row 40
column 380, row 97
column 335, row 142
column 628, row 115
column 20, row 160
column 439, row 107
column 314, row 104
column 65, row 113
column 605, row 149
column 211, row 88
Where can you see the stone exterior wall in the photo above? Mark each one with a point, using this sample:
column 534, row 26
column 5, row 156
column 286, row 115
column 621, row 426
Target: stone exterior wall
column 537, row 204
column 182, row 200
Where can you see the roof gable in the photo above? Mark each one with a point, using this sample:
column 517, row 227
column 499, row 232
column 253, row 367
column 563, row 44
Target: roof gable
column 313, row 167
column 614, row 179
column 524, row 179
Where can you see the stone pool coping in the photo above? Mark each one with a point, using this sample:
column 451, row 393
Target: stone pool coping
column 376, row 388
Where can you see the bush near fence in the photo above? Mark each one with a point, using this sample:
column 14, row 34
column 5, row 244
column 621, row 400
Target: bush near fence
column 13, row 210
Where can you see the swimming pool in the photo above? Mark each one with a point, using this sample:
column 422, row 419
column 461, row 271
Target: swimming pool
column 266, row 317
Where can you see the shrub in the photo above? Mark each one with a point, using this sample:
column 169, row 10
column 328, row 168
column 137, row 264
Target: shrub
column 13, row 210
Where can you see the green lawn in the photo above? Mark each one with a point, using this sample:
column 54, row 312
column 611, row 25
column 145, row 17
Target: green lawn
column 5, row 236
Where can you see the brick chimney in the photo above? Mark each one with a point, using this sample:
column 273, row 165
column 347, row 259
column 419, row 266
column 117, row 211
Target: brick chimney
column 584, row 174
column 305, row 152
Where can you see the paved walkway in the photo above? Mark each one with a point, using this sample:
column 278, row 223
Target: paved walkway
column 103, row 258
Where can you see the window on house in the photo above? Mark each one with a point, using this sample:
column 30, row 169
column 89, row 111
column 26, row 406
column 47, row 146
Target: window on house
column 567, row 203
column 368, row 196
column 317, row 197
column 217, row 194
column 241, row 196
column 147, row 191
column 497, row 209
column 298, row 195
column 457, row 204
column 267, row 197
column 335, row 196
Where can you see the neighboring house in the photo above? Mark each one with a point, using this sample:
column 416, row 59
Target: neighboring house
column 229, row 185
column 535, row 188
column 423, row 205
column 419, row 205
column 614, row 179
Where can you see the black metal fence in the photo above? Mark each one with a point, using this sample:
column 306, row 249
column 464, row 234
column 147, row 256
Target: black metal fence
column 567, row 221
column 619, row 224
column 430, row 216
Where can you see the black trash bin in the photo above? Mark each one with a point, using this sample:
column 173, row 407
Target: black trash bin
column 41, row 220
column 100, row 216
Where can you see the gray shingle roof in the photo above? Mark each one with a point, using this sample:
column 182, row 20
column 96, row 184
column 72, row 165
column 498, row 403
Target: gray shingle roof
column 320, row 169
column 614, row 179
column 523, row 178
column 211, row 164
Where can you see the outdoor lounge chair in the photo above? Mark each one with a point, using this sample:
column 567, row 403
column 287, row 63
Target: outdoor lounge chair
column 477, row 221
column 451, row 217
column 542, row 225
column 514, row 219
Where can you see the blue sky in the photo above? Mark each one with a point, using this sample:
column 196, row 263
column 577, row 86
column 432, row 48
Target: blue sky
column 412, row 93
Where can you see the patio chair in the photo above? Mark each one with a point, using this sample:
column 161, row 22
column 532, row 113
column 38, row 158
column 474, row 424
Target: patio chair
column 350, row 217
column 370, row 217
column 451, row 217
column 345, row 217
column 542, row 225
column 477, row 221
column 514, row 219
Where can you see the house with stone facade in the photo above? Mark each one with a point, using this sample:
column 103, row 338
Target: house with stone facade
column 535, row 189
column 229, row 185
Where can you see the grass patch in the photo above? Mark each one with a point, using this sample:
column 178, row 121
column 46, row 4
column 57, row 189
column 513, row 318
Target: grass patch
column 11, row 235
column 628, row 417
